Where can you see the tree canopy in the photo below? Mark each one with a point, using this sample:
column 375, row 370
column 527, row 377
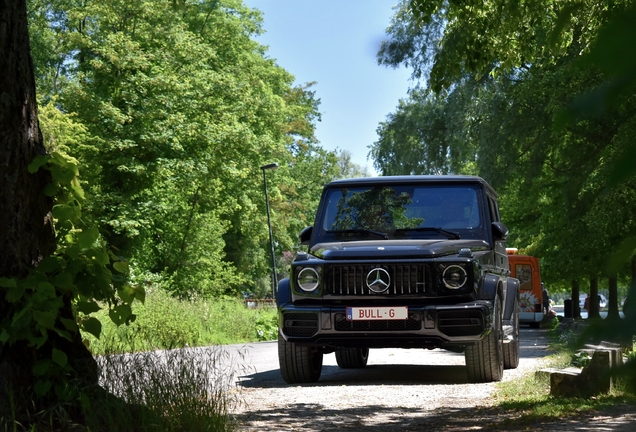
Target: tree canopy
column 180, row 108
column 511, row 91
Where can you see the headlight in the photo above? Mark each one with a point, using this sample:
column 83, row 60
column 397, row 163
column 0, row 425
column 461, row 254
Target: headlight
column 454, row 277
column 308, row 279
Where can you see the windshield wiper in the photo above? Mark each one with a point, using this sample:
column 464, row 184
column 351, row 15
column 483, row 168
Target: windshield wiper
column 385, row 236
column 449, row 234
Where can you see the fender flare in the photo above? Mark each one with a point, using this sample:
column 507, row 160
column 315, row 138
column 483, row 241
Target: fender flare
column 283, row 296
column 512, row 298
column 488, row 287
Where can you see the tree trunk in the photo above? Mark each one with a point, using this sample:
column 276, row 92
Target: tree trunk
column 594, row 308
column 576, row 308
column 612, row 312
column 26, row 231
column 629, row 304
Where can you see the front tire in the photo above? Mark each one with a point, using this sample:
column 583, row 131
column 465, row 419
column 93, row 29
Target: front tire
column 484, row 360
column 298, row 364
column 352, row 358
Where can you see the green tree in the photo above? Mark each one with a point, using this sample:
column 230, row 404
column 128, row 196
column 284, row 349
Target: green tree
column 349, row 169
column 185, row 107
column 520, row 77
column 54, row 267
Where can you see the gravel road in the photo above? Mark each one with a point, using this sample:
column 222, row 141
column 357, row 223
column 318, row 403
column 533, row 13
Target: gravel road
column 399, row 390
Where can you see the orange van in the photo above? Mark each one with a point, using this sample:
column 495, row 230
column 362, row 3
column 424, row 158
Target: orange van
column 526, row 269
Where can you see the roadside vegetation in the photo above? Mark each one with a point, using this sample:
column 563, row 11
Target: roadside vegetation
column 168, row 109
column 145, row 384
column 528, row 399
column 165, row 322
column 185, row 390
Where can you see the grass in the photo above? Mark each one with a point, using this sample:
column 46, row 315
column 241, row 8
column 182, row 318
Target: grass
column 527, row 400
column 173, row 390
column 184, row 390
column 145, row 385
column 164, row 322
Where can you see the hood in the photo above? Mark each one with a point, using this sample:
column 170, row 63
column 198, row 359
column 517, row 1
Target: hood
column 394, row 249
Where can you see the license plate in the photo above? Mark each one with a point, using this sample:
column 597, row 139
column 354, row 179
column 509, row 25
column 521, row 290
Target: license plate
column 377, row 313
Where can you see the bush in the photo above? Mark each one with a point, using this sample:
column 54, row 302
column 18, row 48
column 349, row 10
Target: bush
column 165, row 322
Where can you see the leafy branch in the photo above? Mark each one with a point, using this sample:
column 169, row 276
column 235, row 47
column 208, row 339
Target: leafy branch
column 82, row 271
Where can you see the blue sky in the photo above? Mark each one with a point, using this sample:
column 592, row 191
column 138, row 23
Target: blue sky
column 334, row 42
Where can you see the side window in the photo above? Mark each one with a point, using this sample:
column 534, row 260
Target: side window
column 524, row 274
column 494, row 211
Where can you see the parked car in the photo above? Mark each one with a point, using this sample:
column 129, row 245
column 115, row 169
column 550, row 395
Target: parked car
column 602, row 301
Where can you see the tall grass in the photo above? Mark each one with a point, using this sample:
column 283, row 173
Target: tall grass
column 173, row 390
column 191, row 389
column 164, row 322
column 147, row 385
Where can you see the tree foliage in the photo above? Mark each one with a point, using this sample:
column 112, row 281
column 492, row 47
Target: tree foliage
column 508, row 95
column 183, row 107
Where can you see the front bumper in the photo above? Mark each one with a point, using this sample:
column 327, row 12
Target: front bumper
column 530, row 317
column 429, row 326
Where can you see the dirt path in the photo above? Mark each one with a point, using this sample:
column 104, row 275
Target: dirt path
column 400, row 390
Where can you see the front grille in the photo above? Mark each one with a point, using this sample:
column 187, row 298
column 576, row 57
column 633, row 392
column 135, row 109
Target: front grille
column 413, row 323
column 406, row 279
column 300, row 324
column 460, row 322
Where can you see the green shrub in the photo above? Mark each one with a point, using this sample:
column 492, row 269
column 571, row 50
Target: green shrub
column 165, row 322
column 267, row 325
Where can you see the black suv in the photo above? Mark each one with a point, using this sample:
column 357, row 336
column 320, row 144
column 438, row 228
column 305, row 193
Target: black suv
column 405, row 261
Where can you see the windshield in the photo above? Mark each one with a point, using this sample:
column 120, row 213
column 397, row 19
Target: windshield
column 403, row 210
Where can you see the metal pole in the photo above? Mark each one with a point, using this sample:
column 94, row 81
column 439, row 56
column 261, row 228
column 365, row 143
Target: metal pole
column 269, row 224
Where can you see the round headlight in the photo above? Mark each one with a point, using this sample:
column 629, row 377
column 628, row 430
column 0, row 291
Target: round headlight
column 308, row 279
column 454, row 277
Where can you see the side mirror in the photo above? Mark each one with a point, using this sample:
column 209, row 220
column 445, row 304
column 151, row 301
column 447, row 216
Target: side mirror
column 499, row 231
column 305, row 235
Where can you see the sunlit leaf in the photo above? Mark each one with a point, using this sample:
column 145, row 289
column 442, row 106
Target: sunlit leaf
column 63, row 212
column 127, row 294
column 119, row 314
column 39, row 161
column 121, row 266
column 140, row 293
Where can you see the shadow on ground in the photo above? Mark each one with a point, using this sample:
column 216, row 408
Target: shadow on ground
column 371, row 375
column 378, row 418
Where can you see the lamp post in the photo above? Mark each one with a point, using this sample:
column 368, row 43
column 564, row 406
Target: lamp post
column 271, row 166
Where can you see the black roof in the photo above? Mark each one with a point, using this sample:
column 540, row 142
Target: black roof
column 412, row 179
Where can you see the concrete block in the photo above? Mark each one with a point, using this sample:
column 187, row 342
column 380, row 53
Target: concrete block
column 593, row 379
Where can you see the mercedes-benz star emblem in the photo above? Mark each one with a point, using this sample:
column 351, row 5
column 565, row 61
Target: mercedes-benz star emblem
column 378, row 280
